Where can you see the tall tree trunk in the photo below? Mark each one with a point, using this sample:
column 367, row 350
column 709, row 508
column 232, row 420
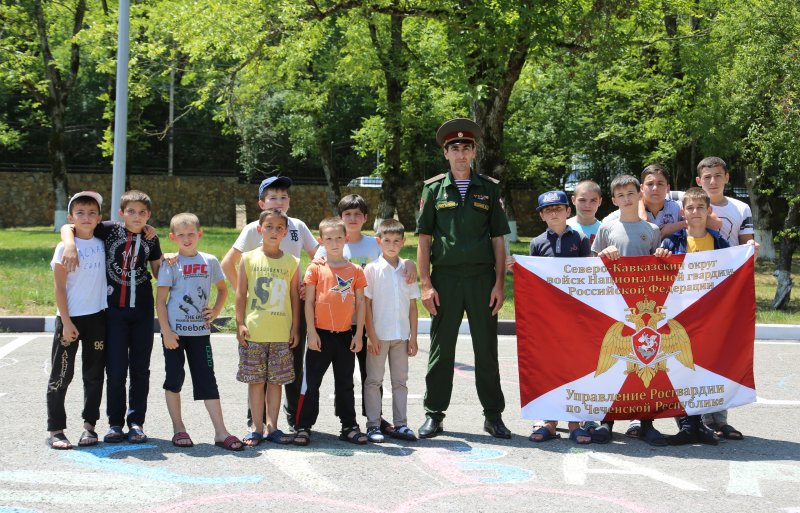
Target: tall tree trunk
column 490, row 114
column 762, row 214
column 394, row 64
column 58, row 90
column 789, row 242
column 325, row 150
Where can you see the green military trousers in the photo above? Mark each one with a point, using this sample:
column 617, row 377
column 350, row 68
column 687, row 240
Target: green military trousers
column 459, row 290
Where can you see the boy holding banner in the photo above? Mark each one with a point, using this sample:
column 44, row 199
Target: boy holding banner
column 628, row 235
column 559, row 240
column 695, row 237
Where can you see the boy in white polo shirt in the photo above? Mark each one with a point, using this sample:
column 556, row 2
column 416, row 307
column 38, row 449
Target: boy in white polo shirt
column 391, row 329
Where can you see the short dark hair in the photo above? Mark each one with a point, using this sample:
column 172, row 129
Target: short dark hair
column 353, row 201
column 655, row 169
column 391, row 226
column 273, row 212
column 696, row 193
column 620, row 181
column 83, row 200
column 134, row 195
column 710, row 162
column 589, row 185
column 332, row 222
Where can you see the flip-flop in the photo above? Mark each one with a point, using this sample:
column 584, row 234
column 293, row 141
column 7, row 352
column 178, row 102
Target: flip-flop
column 729, row 432
column 114, row 435
column 88, row 438
column 136, row 435
column 229, row 444
column 545, row 433
column 182, row 435
column 254, row 437
column 601, row 435
column 653, row 437
column 58, row 437
column 279, row 437
column 580, row 432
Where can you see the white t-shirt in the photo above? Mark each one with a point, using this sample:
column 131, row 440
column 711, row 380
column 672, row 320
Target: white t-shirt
column 298, row 239
column 391, row 299
column 737, row 219
column 86, row 285
column 360, row 253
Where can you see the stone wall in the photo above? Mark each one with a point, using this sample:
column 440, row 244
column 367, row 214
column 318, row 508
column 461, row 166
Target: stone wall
column 29, row 201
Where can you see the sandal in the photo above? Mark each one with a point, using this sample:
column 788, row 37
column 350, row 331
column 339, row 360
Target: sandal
column 653, row 437
column 182, row 436
column 114, row 435
column 600, row 435
column 403, row 433
column 634, row 431
column 545, row 434
column 230, row 444
column 88, row 438
column 353, row 435
column 302, row 437
column 729, row 432
column 59, row 438
column 136, row 435
column 279, row 437
column 252, row 439
column 580, row 432
column 386, row 427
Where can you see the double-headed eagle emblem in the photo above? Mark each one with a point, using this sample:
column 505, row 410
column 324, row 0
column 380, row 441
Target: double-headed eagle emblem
column 647, row 350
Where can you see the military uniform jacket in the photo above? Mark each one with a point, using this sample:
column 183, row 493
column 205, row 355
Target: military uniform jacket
column 461, row 229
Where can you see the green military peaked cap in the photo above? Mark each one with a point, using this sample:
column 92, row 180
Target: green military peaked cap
column 458, row 129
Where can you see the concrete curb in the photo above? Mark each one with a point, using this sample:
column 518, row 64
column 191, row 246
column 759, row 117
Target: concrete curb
column 46, row 324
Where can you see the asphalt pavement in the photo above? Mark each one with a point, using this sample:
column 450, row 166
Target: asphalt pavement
column 464, row 470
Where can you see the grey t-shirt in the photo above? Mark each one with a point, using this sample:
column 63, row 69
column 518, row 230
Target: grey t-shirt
column 637, row 238
column 671, row 213
column 360, row 253
column 189, row 282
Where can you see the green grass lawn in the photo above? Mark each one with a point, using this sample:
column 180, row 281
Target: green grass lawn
column 25, row 255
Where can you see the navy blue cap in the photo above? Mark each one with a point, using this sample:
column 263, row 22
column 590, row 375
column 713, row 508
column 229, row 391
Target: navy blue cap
column 550, row 198
column 274, row 181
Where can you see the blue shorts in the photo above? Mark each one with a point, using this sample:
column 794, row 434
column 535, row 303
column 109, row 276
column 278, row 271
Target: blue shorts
column 197, row 350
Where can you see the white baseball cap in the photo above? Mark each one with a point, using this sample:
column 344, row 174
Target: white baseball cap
column 86, row 194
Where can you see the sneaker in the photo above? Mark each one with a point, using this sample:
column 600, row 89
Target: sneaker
column 374, row 434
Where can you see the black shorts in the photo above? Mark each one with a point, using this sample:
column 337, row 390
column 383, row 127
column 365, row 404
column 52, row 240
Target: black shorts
column 197, row 350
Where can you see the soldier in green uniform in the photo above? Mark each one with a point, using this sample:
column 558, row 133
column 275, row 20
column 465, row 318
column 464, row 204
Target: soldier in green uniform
column 461, row 226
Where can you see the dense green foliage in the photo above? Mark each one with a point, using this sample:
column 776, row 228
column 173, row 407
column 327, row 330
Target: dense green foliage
column 324, row 90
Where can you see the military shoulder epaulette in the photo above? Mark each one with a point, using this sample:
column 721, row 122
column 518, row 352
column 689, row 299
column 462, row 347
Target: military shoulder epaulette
column 435, row 178
column 491, row 179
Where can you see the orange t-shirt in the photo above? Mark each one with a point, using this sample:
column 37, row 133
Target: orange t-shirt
column 335, row 298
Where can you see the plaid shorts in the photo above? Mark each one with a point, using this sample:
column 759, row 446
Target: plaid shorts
column 270, row 362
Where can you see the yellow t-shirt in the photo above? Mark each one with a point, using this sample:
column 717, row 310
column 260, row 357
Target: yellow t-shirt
column 268, row 312
column 693, row 245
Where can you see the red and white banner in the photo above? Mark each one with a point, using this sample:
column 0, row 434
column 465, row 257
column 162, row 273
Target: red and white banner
column 641, row 337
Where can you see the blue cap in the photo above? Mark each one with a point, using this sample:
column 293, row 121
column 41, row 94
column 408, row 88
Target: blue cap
column 550, row 198
column 274, row 181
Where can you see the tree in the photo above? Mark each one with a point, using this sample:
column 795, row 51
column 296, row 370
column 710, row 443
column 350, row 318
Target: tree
column 43, row 54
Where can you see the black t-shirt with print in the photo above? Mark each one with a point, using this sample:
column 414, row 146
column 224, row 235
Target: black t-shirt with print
column 127, row 255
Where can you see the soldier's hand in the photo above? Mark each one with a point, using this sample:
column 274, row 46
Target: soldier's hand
column 496, row 299
column 430, row 300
